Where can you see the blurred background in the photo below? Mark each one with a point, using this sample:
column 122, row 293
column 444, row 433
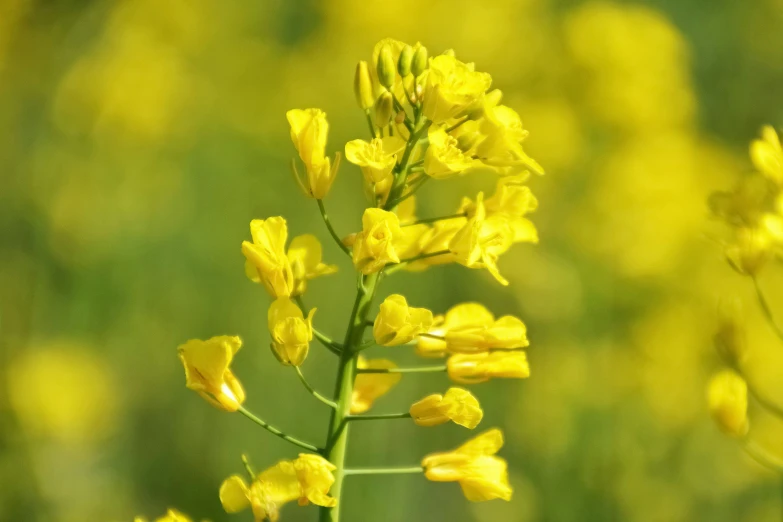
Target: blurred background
column 139, row 137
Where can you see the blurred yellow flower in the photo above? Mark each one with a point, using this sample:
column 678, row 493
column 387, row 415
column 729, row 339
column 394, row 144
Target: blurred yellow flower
column 172, row 515
column 731, row 339
column 309, row 130
column 475, row 368
column 767, row 155
column 374, row 246
column 482, row 240
column 397, row 323
column 368, row 387
column 457, row 405
column 751, row 251
column 63, row 392
column 207, row 370
column 307, row 479
column 727, row 398
column 305, row 257
column 376, row 158
column 506, row 333
column 451, row 87
column 481, row 474
column 444, row 157
column 291, row 332
column 266, row 254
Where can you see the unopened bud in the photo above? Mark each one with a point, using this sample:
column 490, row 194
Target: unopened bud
column 727, row 398
column 383, row 109
column 362, row 86
column 406, row 58
column 386, row 67
column 400, row 117
column 419, row 63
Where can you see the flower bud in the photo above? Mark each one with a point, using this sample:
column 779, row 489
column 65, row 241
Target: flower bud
column 362, row 86
column 386, row 67
column 406, row 58
column 727, row 398
column 383, row 109
column 419, row 63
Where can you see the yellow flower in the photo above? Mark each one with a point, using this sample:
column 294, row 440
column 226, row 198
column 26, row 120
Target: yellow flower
column 501, row 146
column 376, row 158
column 444, row 157
column 461, row 316
column 437, row 239
column 476, row 368
column 266, row 255
column 304, row 255
column 482, row 240
column 291, row 332
column 752, row 250
column 727, row 397
column 309, row 130
column 451, row 87
column 172, row 515
column 207, row 370
column 368, row 387
column 767, row 155
column 410, row 243
column 374, row 246
column 458, row 405
column 306, row 479
column 512, row 201
column 397, row 323
column 481, row 474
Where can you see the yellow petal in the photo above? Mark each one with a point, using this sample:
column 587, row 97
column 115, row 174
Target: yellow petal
column 234, row 494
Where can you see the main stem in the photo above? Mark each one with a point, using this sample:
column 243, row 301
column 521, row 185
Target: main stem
column 337, row 440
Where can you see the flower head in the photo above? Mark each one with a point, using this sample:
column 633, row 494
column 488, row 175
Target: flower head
column 727, row 397
column 306, row 479
column 207, row 370
column 376, row 158
column 481, row 474
column 457, row 405
column 291, row 332
column 501, row 144
column 512, row 201
column 480, row 242
column 475, row 368
column 451, row 87
column 444, row 157
column 305, row 256
column 397, row 323
column 368, row 387
column 374, row 246
column 266, row 258
column 309, row 130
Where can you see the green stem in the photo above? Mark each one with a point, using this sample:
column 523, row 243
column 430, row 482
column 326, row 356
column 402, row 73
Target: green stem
column 401, row 171
column 380, row 416
column 312, row 391
column 248, row 467
column 371, row 124
column 271, row 429
column 415, row 186
column 456, row 125
column 331, row 230
column 420, row 369
column 436, row 219
column 337, row 437
column 400, row 108
column 766, row 309
column 420, row 256
column 384, row 471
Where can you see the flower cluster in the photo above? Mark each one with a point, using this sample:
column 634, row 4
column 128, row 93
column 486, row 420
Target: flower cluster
column 430, row 118
column 754, row 212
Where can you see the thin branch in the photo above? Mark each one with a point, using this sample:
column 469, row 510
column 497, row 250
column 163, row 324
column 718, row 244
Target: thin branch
column 248, row 467
column 766, row 308
column 271, row 429
column 373, row 130
column 436, row 219
column 762, row 456
column 331, row 229
column 312, row 391
column 381, row 416
column 383, row 471
column 420, row 369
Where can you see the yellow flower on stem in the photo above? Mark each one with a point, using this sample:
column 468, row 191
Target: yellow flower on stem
column 482, row 240
column 444, row 157
column 306, row 479
column 374, row 246
column 751, row 251
column 457, row 405
column 461, row 316
column 474, row 465
column 172, row 515
column 309, row 130
column 207, row 370
column 437, row 239
column 305, row 256
column 475, row 368
column 511, row 201
column 376, row 158
column 767, row 155
column 397, row 323
column 501, row 146
column 368, row 387
column 727, row 398
column 291, row 332
column 266, row 258
column 506, row 333
column 451, row 87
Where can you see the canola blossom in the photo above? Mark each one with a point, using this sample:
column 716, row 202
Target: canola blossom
column 430, row 118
